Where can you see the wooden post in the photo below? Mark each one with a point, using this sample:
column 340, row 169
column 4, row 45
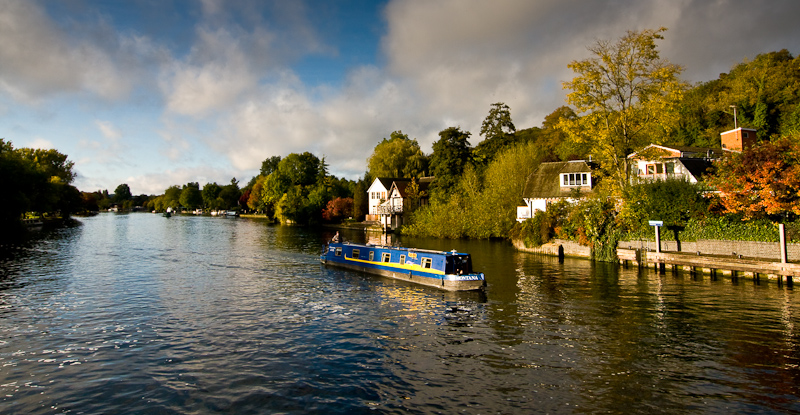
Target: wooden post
column 782, row 232
column 658, row 239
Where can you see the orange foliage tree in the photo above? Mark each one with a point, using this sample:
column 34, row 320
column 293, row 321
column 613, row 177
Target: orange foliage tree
column 764, row 180
column 338, row 209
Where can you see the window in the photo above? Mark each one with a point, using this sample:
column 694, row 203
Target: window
column 371, row 255
column 402, row 259
column 745, row 135
column 338, row 252
column 426, row 262
column 386, row 257
column 651, row 169
column 575, row 179
column 659, row 168
column 670, row 168
column 356, row 253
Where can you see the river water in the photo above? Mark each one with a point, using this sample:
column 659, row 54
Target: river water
column 137, row 313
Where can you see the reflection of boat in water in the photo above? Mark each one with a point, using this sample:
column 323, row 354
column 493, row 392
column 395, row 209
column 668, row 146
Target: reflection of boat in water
column 450, row 271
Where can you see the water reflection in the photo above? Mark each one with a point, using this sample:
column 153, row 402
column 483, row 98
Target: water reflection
column 140, row 313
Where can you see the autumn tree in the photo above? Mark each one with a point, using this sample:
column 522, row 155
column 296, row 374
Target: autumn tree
column 764, row 180
column 338, row 209
column 626, row 96
column 397, row 157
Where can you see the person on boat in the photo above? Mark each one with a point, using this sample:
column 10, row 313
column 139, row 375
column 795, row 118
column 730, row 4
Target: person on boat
column 336, row 237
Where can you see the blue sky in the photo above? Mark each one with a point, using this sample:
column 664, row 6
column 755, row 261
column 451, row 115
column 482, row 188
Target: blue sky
column 154, row 93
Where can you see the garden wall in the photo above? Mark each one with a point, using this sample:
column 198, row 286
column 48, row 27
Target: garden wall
column 766, row 250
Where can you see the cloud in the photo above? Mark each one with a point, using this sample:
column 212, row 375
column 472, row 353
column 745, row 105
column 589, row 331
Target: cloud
column 41, row 59
column 108, row 130
column 217, row 72
column 41, row 143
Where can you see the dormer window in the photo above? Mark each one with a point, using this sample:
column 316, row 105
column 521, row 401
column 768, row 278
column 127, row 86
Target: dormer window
column 575, row 179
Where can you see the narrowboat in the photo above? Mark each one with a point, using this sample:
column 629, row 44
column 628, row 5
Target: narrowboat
column 451, row 271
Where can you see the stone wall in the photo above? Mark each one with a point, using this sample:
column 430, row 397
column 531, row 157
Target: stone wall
column 747, row 249
column 751, row 249
column 570, row 248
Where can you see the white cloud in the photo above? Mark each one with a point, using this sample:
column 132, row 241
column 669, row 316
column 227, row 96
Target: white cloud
column 215, row 74
column 41, row 143
column 108, row 130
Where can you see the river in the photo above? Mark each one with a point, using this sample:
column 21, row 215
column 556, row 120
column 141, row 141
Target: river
column 138, row 313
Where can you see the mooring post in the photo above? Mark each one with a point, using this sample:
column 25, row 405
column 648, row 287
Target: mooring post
column 658, row 239
column 782, row 232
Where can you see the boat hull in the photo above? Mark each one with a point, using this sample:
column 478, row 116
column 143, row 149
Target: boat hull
column 408, row 271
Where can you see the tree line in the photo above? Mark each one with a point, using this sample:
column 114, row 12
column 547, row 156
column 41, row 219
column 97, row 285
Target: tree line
column 622, row 98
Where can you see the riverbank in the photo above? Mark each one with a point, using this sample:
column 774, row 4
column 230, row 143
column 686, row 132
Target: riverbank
column 746, row 258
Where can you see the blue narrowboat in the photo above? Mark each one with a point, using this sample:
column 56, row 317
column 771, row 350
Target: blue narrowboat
column 450, row 271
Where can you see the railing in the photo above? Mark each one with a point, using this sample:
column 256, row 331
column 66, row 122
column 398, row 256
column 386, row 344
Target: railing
column 389, row 209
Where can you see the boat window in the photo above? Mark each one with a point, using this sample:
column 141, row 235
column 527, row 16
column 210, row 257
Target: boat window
column 338, row 251
column 402, row 259
column 426, row 262
column 371, row 255
column 356, row 253
column 386, row 257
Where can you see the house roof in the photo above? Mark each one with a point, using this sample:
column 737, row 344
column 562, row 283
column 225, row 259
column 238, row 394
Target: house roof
column 656, row 151
column 546, row 183
column 402, row 185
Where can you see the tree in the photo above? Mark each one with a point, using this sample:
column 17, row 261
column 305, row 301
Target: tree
column 229, row 195
column 210, row 193
column 172, row 197
column 191, row 197
column 50, row 162
column 762, row 181
column 360, row 201
column 122, row 193
column 20, row 180
column 450, row 156
column 554, row 141
column 629, row 97
column 397, row 157
column 498, row 132
column 270, row 165
column 338, row 209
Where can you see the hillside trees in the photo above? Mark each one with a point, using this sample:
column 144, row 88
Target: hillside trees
column 627, row 97
column 765, row 92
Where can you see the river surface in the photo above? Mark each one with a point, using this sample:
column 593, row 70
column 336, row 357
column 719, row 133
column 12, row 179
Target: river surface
column 137, row 313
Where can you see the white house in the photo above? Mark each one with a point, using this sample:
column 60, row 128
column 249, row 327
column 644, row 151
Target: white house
column 376, row 194
column 553, row 182
column 657, row 162
column 388, row 199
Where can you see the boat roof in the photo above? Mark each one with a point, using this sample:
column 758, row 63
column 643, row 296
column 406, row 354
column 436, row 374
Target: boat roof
column 400, row 248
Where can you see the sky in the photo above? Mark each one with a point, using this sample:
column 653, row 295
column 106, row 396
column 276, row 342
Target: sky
column 154, row 93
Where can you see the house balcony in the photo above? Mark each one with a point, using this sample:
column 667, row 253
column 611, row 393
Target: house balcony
column 390, row 209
